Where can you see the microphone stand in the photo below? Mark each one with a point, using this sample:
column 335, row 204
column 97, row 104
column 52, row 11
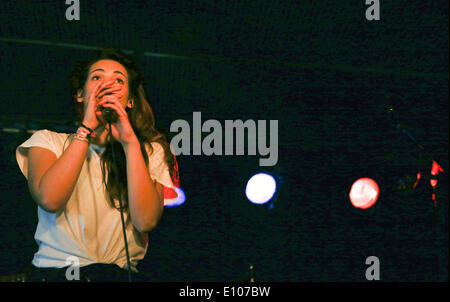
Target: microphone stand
column 109, row 119
column 436, row 168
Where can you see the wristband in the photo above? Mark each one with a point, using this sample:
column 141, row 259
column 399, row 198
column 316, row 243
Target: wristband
column 90, row 130
column 81, row 139
column 82, row 134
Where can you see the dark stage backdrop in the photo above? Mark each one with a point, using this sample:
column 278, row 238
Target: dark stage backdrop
column 326, row 73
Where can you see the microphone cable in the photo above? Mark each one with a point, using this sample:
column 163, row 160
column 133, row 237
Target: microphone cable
column 121, row 205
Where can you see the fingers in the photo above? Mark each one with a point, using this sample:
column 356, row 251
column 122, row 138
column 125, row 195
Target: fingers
column 109, row 97
column 97, row 88
column 109, row 90
column 114, row 104
column 99, row 116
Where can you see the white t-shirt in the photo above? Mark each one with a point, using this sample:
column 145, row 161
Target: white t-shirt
column 88, row 228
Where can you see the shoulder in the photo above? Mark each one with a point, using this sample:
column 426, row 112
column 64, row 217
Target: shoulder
column 46, row 136
column 154, row 149
column 49, row 139
column 158, row 167
column 156, row 158
column 50, row 134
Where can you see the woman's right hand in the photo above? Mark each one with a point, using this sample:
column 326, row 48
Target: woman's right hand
column 92, row 114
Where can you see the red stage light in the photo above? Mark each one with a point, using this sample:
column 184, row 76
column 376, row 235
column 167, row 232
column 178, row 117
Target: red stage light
column 364, row 193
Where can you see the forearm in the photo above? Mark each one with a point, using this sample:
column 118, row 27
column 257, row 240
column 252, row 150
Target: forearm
column 144, row 201
column 57, row 184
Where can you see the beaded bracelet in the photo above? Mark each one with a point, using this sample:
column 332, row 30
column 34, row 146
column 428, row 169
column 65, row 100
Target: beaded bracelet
column 82, row 135
column 86, row 127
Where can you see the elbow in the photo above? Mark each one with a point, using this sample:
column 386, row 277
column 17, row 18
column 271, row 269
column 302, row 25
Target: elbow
column 147, row 227
column 145, row 224
column 50, row 205
column 51, row 209
column 45, row 200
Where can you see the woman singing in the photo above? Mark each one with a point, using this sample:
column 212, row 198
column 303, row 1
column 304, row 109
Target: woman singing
column 80, row 180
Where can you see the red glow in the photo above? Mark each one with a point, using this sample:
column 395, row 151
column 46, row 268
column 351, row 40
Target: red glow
column 170, row 193
column 364, row 193
column 435, row 169
column 417, row 181
column 433, row 182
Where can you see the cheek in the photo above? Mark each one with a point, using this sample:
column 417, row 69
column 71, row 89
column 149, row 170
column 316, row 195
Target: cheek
column 88, row 88
column 125, row 93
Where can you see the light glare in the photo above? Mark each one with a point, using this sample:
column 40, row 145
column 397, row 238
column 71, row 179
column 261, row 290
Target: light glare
column 181, row 198
column 364, row 193
column 260, row 188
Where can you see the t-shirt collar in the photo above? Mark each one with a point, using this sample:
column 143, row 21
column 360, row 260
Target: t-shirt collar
column 98, row 149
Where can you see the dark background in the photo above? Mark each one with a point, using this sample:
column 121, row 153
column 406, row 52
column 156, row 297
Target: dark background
column 320, row 68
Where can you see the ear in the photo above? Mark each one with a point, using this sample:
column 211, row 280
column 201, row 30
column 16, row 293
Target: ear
column 130, row 103
column 80, row 95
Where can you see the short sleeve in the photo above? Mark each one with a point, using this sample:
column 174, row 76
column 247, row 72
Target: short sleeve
column 159, row 171
column 41, row 138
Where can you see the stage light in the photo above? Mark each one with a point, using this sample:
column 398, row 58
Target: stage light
column 260, row 188
column 364, row 193
column 181, row 198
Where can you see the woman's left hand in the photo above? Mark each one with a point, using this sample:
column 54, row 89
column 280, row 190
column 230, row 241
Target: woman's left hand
column 121, row 130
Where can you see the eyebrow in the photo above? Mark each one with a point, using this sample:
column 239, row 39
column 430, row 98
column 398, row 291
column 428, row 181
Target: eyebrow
column 99, row 69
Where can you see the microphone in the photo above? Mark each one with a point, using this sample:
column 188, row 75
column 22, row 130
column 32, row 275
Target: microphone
column 109, row 115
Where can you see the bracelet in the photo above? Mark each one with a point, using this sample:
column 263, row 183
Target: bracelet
column 90, row 130
column 83, row 132
column 82, row 135
column 81, row 139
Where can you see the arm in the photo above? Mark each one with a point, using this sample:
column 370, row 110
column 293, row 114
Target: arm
column 50, row 180
column 145, row 197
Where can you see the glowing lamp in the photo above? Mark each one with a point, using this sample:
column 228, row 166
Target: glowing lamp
column 364, row 193
column 260, row 188
column 180, row 199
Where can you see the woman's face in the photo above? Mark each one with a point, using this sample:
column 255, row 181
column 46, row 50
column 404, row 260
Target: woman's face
column 113, row 74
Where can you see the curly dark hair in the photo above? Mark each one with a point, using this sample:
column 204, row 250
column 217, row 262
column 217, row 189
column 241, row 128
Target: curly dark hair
column 141, row 118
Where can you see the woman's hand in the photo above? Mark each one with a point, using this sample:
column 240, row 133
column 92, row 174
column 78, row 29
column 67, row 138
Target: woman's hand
column 121, row 130
column 90, row 104
column 91, row 112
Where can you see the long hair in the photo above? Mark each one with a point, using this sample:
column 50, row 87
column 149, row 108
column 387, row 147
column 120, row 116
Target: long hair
column 141, row 118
